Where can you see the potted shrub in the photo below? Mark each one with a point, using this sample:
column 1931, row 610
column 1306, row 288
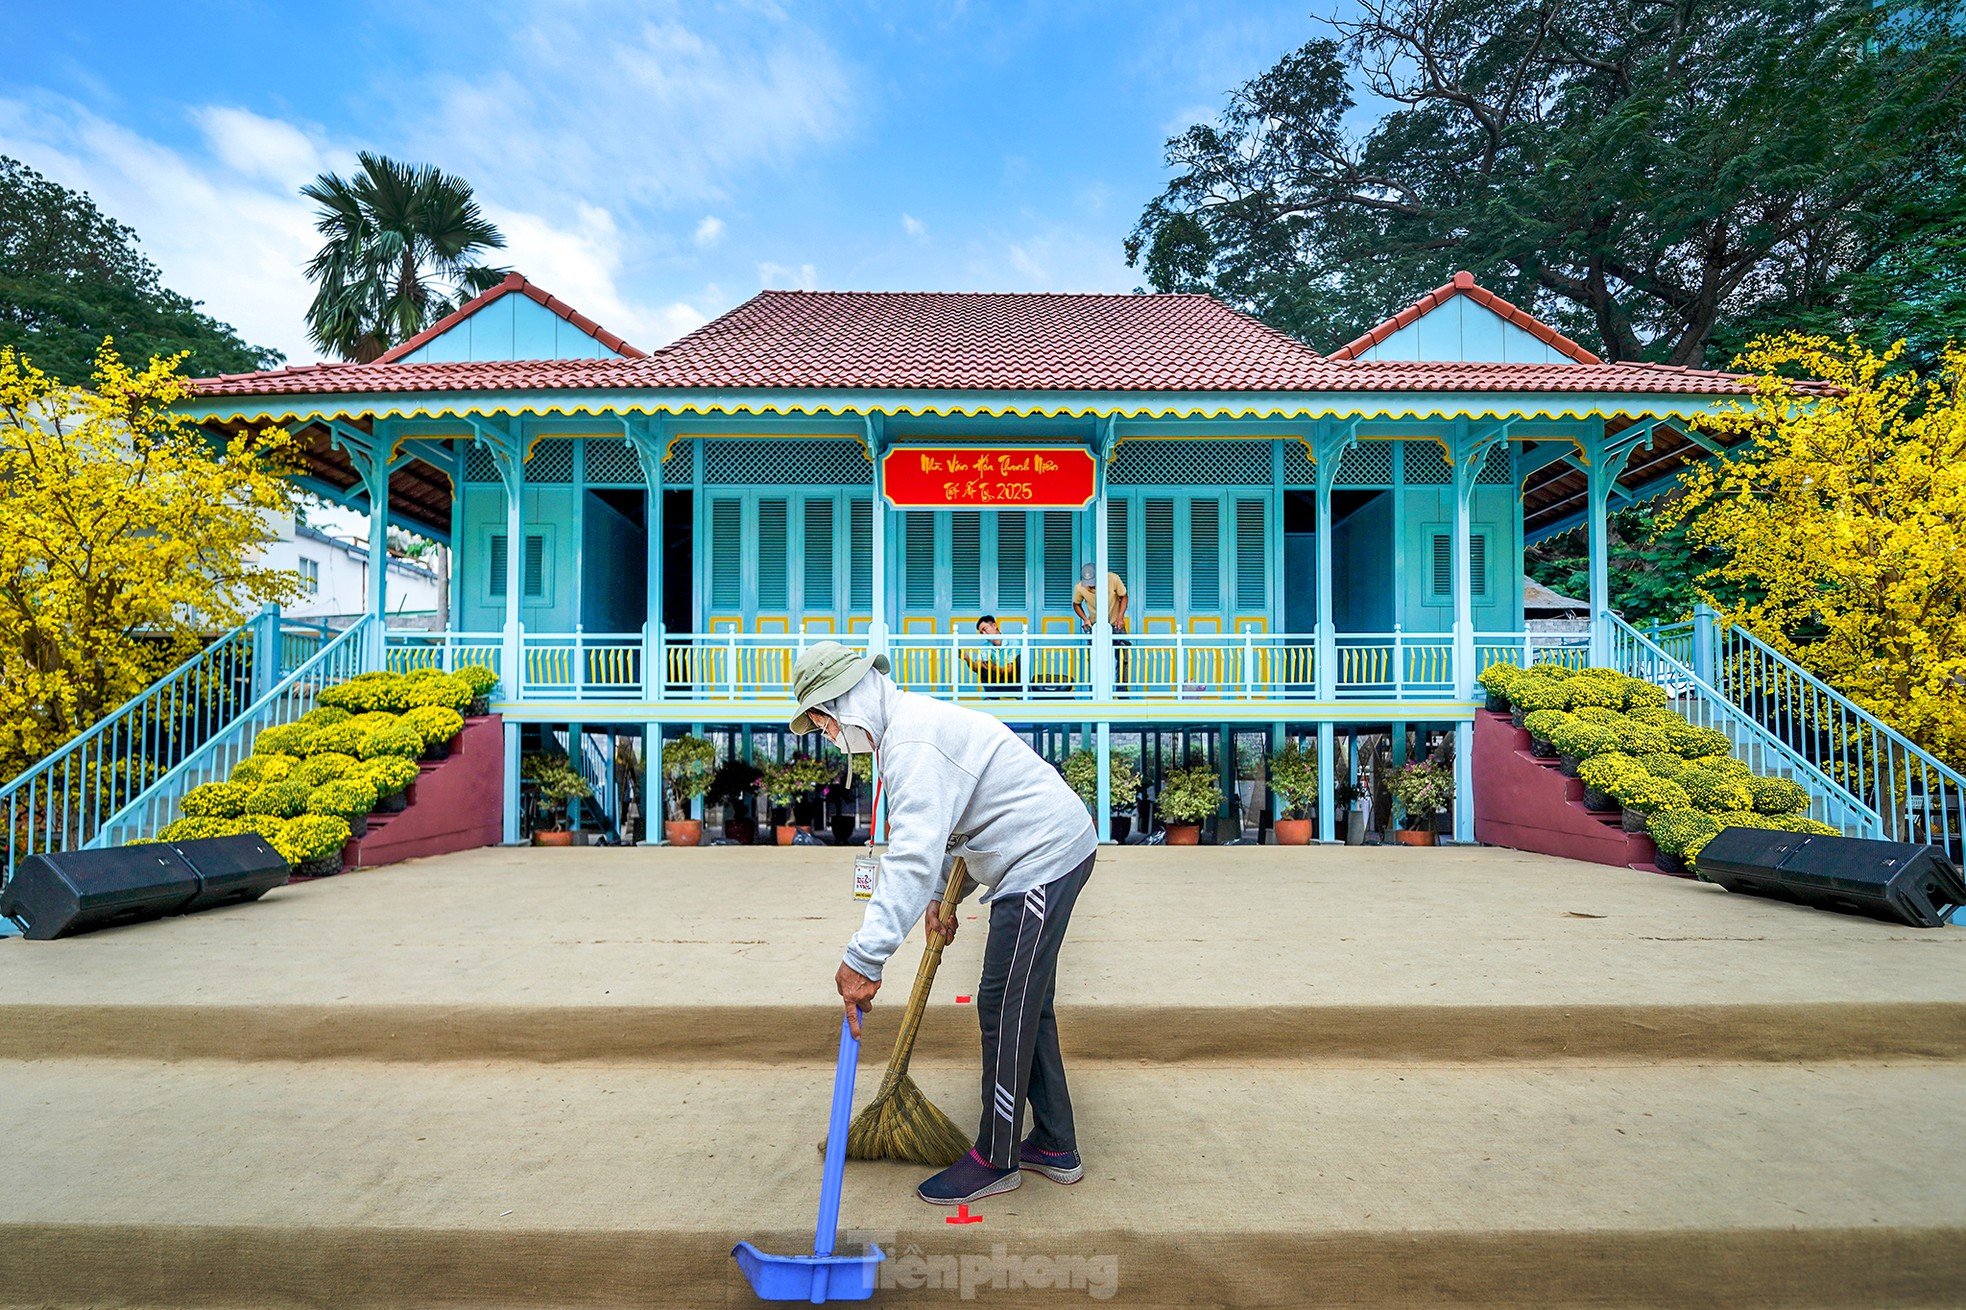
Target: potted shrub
column 1777, row 796
column 559, row 784
column 312, row 844
column 1187, row 798
column 349, row 799
column 787, row 783
column 216, row 800
column 1541, row 725
column 1497, row 680
column 437, row 725
column 1423, row 789
column 1293, row 777
column 1679, row 834
column 1644, row 793
column 1601, row 775
column 841, row 792
column 481, row 680
column 1578, row 740
column 392, row 776
column 735, row 790
column 1081, row 770
column 689, row 766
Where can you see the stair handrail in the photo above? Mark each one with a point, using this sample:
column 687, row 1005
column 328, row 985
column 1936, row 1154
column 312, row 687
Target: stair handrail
column 134, row 731
column 1896, row 750
column 285, row 701
column 1842, row 807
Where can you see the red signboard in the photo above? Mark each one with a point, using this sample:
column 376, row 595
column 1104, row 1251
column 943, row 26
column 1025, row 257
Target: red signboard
column 984, row 477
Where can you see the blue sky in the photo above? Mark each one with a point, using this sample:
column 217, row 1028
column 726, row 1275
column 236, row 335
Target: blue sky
column 652, row 164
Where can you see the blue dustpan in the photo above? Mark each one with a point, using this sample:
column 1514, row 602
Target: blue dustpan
column 821, row 1276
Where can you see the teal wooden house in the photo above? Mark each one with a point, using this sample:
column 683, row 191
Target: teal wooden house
column 1311, row 544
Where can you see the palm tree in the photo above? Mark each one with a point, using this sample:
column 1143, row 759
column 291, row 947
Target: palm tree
column 403, row 248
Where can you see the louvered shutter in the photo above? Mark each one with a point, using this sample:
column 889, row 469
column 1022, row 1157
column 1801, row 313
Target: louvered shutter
column 1059, row 569
column 1116, row 560
column 860, row 545
column 726, row 552
column 1478, row 565
column 965, row 560
column 1157, row 544
column 1252, row 555
column 1013, row 561
column 919, row 565
column 774, row 587
column 1204, row 555
column 500, row 562
column 1442, row 580
column 535, row 567
column 819, row 553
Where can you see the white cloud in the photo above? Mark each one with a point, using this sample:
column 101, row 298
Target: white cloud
column 602, row 101
column 1022, row 261
column 784, row 277
column 709, row 231
column 914, row 227
column 266, row 149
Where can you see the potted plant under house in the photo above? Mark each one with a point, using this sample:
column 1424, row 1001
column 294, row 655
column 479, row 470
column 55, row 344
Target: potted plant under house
column 689, row 766
column 1293, row 777
column 1188, row 798
column 559, row 784
column 1081, row 770
column 1423, row 789
column 787, row 784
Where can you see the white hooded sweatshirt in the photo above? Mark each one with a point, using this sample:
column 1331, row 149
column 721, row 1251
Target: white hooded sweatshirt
column 957, row 783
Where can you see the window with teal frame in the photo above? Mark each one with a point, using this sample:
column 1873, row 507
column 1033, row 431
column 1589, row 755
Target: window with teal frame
column 1440, row 565
column 534, row 571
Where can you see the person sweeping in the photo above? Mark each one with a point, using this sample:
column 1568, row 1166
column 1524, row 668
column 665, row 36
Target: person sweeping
column 961, row 785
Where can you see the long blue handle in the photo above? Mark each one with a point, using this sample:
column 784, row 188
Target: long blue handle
column 836, row 1126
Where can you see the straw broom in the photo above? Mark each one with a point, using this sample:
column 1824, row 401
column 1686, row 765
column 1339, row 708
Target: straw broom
column 900, row 1123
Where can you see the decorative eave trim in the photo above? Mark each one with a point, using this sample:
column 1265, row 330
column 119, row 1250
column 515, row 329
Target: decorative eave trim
column 1268, row 406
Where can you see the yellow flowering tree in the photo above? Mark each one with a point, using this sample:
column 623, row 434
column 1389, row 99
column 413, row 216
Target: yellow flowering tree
column 127, row 537
column 1843, row 524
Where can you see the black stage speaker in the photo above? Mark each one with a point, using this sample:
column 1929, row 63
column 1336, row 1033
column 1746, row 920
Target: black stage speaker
column 1900, row 881
column 67, row 892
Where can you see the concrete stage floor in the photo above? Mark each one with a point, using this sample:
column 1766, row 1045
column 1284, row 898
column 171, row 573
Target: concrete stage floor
column 1304, row 1077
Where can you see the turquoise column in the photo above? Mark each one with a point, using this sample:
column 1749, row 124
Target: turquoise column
column 877, row 620
column 266, row 649
column 1327, row 752
column 654, row 787
column 508, row 454
column 1102, row 637
column 1464, row 782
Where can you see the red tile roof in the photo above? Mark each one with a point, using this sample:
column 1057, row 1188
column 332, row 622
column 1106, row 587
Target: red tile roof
column 1464, row 285
column 513, row 282
column 985, row 342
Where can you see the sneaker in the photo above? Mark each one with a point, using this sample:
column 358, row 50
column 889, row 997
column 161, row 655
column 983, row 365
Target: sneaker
column 1058, row 1166
column 969, row 1179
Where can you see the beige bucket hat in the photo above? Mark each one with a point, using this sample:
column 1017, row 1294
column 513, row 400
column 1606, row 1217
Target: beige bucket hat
column 825, row 670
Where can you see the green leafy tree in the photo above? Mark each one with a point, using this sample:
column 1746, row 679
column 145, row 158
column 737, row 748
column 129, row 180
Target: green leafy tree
column 404, row 245
column 1655, row 571
column 71, row 276
column 1656, row 177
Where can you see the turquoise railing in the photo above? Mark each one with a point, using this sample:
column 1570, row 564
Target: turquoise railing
column 1918, row 798
column 294, row 695
column 1633, row 653
column 63, row 802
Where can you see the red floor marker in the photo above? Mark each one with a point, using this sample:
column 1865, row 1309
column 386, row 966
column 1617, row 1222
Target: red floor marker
column 962, row 1000
column 962, row 1216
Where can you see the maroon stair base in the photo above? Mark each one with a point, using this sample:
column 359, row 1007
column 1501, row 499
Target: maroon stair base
column 454, row 803
column 1528, row 804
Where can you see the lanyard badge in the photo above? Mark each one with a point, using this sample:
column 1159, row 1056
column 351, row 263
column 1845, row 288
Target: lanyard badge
column 867, row 865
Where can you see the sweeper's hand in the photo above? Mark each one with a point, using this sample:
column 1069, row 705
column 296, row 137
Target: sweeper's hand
column 940, row 924
column 858, row 993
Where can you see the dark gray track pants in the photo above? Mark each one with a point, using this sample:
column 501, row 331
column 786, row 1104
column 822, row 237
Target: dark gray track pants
column 1020, row 1037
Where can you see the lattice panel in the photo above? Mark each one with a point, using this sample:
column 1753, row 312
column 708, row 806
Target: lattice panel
column 794, row 461
column 1299, row 469
column 1495, row 469
column 479, row 466
column 1426, row 465
column 612, row 462
column 551, row 461
column 1191, row 463
column 679, row 469
column 1366, row 464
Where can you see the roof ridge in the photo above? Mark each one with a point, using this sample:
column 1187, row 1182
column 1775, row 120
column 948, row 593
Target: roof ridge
column 1463, row 284
column 512, row 282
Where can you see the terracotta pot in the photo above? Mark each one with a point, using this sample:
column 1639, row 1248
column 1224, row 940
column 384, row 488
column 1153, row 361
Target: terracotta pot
column 787, row 833
column 683, row 832
column 1415, row 837
column 1183, row 834
column 555, row 837
column 1293, row 832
